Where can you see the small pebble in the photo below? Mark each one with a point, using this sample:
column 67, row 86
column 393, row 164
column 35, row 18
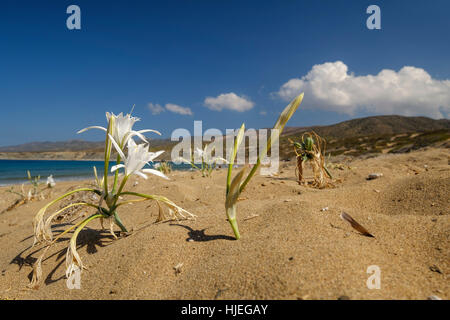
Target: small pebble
column 434, row 298
column 435, row 268
column 324, row 209
column 177, row 268
column 374, row 176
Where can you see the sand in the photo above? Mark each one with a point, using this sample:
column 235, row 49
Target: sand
column 289, row 249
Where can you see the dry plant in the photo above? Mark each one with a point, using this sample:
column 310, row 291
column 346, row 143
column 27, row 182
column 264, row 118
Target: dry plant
column 35, row 192
column 163, row 167
column 312, row 149
column 119, row 134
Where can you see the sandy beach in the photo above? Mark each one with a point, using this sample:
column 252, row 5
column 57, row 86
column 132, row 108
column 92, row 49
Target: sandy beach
column 290, row 248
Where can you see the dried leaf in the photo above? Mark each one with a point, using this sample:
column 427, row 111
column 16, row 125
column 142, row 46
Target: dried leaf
column 355, row 225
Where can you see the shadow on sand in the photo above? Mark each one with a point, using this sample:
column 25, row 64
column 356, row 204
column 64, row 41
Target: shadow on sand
column 200, row 236
column 89, row 238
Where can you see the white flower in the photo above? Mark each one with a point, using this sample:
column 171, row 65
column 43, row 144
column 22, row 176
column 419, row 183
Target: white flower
column 122, row 131
column 51, row 182
column 205, row 155
column 199, row 152
column 138, row 156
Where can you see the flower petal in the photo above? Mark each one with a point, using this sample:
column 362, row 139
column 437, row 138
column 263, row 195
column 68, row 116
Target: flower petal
column 156, row 173
column 141, row 174
column 122, row 155
column 135, row 133
column 116, row 167
column 216, row 159
column 149, row 130
column 154, row 155
column 92, row 127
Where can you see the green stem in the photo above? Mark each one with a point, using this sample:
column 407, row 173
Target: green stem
column 116, row 175
column 108, row 145
column 49, row 219
column 234, row 226
column 119, row 222
column 116, row 196
column 231, row 214
column 122, row 185
column 84, row 223
column 142, row 195
column 70, row 193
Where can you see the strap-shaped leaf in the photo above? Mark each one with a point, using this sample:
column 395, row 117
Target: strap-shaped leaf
column 279, row 126
column 234, row 192
column 237, row 143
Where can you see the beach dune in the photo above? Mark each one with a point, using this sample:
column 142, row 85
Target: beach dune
column 289, row 249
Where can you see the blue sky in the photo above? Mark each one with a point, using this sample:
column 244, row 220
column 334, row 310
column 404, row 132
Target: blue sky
column 54, row 81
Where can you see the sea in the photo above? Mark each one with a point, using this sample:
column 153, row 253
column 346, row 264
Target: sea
column 15, row 171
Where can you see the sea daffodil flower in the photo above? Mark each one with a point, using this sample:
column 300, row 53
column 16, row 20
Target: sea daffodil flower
column 138, row 156
column 51, row 182
column 119, row 133
column 122, row 131
column 208, row 163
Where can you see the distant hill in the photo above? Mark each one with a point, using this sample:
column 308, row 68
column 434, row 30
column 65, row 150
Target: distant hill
column 67, row 146
column 372, row 135
column 373, row 126
column 353, row 137
column 48, row 146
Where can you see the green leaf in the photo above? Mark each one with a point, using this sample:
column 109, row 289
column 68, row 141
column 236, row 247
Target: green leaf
column 279, row 126
column 237, row 143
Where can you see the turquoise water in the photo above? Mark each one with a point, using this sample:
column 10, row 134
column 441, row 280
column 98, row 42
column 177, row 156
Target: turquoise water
column 15, row 171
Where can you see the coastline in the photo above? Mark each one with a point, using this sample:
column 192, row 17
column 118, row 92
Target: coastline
column 14, row 171
column 46, row 159
column 49, row 157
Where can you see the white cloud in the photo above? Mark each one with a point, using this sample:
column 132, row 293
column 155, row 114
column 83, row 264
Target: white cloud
column 155, row 108
column 263, row 113
column 410, row 91
column 179, row 109
column 229, row 101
